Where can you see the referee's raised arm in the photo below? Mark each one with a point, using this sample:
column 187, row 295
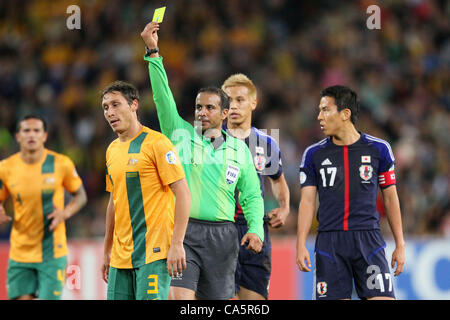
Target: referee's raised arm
column 168, row 116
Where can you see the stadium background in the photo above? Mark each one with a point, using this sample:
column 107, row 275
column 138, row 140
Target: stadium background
column 290, row 49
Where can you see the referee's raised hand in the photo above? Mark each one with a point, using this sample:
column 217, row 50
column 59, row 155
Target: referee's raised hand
column 150, row 35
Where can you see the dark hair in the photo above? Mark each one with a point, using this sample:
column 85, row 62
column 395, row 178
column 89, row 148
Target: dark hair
column 224, row 99
column 344, row 97
column 129, row 91
column 32, row 116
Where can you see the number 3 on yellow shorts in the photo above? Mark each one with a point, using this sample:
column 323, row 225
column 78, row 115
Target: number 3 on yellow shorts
column 153, row 284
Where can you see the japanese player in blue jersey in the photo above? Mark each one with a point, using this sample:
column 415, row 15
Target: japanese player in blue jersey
column 253, row 270
column 345, row 170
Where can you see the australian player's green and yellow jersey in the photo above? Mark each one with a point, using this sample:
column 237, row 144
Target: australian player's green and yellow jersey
column 212, row 173
column 138, row 173
column 35, row 190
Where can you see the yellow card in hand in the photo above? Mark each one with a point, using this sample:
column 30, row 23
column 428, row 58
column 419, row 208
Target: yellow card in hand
column 159, row 14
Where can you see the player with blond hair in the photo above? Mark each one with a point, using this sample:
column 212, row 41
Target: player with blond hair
column 253, row 270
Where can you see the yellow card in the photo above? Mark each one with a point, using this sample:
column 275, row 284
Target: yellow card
column 159, row 14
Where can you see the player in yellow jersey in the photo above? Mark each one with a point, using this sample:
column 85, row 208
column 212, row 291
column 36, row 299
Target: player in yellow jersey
column 145, row 227
column 35, row 178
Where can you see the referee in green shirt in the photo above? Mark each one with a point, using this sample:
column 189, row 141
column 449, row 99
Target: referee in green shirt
column 216, row 164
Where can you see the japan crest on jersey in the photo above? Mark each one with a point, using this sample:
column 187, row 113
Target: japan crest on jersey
column 231, row 174
column 260, row 162
column 365, row 172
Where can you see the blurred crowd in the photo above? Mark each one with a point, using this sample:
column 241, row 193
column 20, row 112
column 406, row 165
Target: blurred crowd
column 290, row 49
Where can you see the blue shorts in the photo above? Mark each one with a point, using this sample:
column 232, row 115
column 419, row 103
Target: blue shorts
column 344, row 257
column 253, row 270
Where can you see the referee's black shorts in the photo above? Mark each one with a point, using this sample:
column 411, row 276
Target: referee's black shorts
column 211, row 254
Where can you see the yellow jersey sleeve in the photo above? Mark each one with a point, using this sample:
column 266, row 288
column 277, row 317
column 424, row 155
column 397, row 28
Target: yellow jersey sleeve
column 3, row 189
column 71, row 179
column 108, row 179
column 108, row 182
column 167, row 161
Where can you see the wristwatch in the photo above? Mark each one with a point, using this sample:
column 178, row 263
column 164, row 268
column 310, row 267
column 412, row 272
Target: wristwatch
column 148, row 51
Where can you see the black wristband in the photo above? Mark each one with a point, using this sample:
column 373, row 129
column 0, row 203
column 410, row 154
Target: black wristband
column 148, row 51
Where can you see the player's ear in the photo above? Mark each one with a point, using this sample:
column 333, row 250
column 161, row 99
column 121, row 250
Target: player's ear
column 345, row 114
column 134, row 105
column 254, row 103
column 225, row 113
